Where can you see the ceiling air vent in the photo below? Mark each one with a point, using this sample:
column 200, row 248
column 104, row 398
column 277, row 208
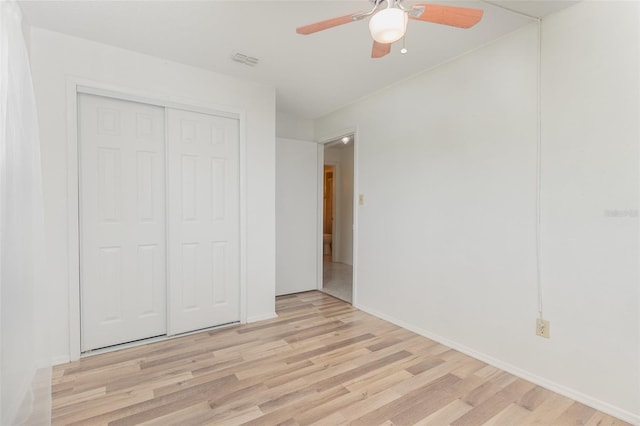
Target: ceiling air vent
column 245, row 59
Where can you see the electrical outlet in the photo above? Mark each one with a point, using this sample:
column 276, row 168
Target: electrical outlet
column 542, row 328
column 361, row 199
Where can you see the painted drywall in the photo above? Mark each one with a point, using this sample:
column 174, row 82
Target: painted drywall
column 296, row 215
column 55, row 58
column 590, row 115
column 447, row 236
column 342, row 156
column 289, row 126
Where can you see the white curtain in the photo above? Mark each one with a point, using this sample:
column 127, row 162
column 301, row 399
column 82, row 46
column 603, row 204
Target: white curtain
column 25, row 361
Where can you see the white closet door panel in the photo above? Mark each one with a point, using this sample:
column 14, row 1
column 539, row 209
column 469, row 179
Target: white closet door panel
column 204, row 231
column 122, row 208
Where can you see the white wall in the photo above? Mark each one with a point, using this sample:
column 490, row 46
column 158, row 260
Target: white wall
column 297, row 216
column 451, row 178
column 289, row 126
column 342, row 156
column 56, row 57
column 591, row 113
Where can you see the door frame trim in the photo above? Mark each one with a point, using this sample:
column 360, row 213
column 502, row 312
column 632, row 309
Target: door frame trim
column 74, row 86
column 348, row 131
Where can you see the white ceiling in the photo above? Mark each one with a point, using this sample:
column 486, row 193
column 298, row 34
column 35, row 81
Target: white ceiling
column 314, row 74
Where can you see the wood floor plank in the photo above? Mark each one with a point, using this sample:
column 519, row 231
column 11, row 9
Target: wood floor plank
column 532, row 399
column 428, row 405
column 339, row 379
column 576, row 414
column 496, row 403
column 376, row 381
column 286, row 412
column 602, row 419
column 230, row 403
column 155, row 407
column 358, row 391
column 489, row 388
column 78, row 413
column 406, row 401
column 321, row 361
column 436, row 398
column 179, row 416
column 514, row 414
column 425, row 364
column 368, row 404
column 79, row 397
column 325, row 349
column 446, row 414
column 549, row 410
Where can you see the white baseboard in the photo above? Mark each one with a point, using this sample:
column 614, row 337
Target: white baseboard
column 516, row 371
column 264, row 317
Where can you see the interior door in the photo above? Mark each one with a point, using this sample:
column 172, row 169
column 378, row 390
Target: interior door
column 122, row 211
column 204, row 251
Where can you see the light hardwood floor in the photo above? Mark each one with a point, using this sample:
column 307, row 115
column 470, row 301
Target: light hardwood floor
column 321, row 361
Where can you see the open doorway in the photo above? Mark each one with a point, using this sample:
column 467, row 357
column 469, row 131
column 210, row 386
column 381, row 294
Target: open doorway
column 337, row 218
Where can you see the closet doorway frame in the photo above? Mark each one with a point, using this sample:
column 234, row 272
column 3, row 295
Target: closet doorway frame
column 75, row 86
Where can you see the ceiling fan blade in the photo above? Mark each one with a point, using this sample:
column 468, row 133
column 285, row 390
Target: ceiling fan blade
column 461, row 17
column 380, row 49
column 326, row 24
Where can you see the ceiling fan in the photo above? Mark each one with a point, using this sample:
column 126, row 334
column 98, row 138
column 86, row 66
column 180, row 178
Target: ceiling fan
column 388, row 25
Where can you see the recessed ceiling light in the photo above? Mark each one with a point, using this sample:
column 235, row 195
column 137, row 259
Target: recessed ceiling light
column 345, row 140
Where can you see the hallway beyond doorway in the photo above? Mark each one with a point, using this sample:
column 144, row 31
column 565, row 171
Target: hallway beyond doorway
column 337, row 279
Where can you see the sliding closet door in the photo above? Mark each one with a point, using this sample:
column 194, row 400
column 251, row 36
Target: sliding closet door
column 122, row 211
column 203, row 176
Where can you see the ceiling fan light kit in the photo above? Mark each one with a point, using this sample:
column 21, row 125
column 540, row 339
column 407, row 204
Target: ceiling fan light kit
column 390, row 24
